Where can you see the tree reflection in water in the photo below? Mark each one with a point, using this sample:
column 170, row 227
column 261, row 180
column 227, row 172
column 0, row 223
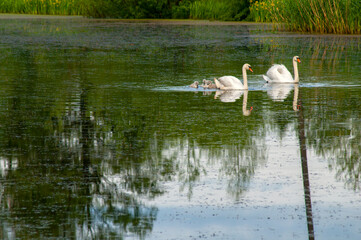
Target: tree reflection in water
column 335, row 135
column 54, row 178
column 82, row 161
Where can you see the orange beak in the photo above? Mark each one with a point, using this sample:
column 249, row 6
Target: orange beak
column 298, row 60
column 250, row 69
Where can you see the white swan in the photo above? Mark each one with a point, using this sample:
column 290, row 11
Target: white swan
column 230, row 82
column 278, row 73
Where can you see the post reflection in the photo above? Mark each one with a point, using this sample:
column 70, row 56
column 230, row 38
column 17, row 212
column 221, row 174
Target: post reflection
column 304, row 163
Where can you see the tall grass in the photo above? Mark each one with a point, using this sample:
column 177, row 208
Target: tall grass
column 321, row 16
column 52, row 7
column 261, row 11
column 219, row 9
column 130, row 9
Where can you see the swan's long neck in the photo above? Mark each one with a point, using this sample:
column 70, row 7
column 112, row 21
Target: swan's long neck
column 295, row 70
column 244, row 73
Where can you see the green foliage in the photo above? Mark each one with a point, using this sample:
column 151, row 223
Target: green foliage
column 324, row 16
column 133, row 9
column 219, row 9
column 182, row 9
column 260, row 11
column 130, row 9
column 53, row 7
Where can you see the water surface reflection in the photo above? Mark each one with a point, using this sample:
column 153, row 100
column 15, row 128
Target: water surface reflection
column 304, row 163
column 89, row 150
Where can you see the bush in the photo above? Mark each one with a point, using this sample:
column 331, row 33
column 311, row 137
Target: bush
column 181, row 10
column 136, row 9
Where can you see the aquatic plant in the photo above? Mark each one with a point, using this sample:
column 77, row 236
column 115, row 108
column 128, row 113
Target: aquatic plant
column 322, row 16
column 260, row 11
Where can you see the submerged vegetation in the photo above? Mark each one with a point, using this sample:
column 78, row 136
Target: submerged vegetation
column 322, row 16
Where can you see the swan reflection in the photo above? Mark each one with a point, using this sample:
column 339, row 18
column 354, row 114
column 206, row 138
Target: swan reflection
column 295, row 99
column 279, row 92
column 232, row 96
column 228, row 96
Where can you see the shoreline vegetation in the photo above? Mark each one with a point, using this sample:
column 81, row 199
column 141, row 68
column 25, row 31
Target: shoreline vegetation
column 314, row 16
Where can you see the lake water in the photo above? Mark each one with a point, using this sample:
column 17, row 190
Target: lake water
column 101, row 137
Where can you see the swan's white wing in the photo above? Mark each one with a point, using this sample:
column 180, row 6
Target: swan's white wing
column 279, row 73
column 286, row 75
column 273, row 73
column 266, row 78
column 218, row 84
column 230, row 82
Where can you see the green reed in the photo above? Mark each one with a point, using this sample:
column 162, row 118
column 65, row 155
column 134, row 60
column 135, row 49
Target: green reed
column 321, row 16
column 52, row 7
column 208, row 9
column 260, row 11
column 219, row 9
column 196, row 9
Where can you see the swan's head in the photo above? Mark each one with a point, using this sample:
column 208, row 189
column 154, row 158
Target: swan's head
column 248, row 67
column 296, row 59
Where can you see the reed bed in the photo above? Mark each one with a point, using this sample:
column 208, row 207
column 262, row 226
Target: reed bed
column 318, row 16
column 50, row 7
column 194, row 9
column 225, row 10
column 210, row 9
column 315, row 16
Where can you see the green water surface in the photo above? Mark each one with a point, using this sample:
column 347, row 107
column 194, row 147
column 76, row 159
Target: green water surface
column 101, row 137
